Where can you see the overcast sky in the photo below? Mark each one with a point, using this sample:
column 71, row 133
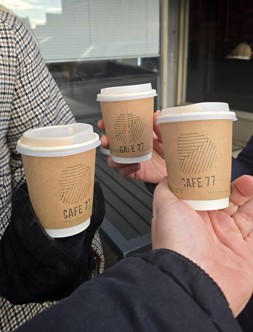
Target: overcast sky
column 34, row 9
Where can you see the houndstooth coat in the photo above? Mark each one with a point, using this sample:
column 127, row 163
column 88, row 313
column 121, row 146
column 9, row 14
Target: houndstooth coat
column 29, row 98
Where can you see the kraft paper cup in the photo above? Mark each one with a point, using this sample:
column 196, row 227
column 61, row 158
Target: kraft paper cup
column 197, row 142
column 128, row 117
column 59, row 163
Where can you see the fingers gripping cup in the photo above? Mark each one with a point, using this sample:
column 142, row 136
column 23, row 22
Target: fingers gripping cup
column 59, row 163
column 128, row 118
column 197, row 141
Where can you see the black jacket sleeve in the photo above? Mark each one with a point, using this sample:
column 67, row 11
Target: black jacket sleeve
column 243, row 164
column 35, row 267
column 157, row 291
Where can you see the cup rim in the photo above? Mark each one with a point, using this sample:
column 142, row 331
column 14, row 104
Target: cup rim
column 196, row 116
column 126, row 92
column 60, row 151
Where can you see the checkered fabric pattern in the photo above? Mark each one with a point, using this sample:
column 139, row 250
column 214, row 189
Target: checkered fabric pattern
column 29, row 98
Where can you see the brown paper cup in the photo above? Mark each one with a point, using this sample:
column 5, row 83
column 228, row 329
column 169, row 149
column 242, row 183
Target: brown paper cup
column 198, row 156
column 128, row 119
column 129, row 126
column 61, row 187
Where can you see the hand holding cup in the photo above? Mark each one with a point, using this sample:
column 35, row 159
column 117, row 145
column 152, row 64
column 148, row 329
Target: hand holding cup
column 59, row 163
column 219, row 241
column 152, row 170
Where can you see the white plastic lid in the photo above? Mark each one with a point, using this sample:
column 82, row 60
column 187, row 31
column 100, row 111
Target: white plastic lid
column 55, row 141
column 198, row 111
column 127, row 92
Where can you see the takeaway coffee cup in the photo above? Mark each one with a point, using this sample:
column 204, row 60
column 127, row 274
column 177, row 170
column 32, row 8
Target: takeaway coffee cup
column 59, row 163
column 128, row 117
column 197, row 141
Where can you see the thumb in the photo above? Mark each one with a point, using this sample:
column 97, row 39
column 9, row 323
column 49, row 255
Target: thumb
column 168, row 218
column 163, row 197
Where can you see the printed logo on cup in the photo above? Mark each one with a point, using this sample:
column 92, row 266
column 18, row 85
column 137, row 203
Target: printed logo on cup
column 75, row 183
column 196, row 153
column 197, row 141
column 129, row 127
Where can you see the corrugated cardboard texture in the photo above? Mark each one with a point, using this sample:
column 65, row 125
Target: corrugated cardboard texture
column 61, row 188
column 129, row 126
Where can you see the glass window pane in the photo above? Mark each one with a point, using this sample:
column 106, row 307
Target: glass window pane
column 92, row 44
column 220, row 63
column 71, row 30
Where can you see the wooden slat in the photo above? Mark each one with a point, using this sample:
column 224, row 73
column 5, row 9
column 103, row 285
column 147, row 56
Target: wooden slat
column 128, row 205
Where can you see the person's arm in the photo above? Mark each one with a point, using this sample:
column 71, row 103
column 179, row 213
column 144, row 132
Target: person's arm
column 35, row 267
column 36, row 100
column 200, row 266
column 157, row 291
column 243, row 164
